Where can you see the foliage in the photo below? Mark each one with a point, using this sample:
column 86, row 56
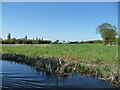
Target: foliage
column 9, row 36
column 24, row 41
column 56, row 42
column 107, row 32
column 26, row 37
column 92, row 41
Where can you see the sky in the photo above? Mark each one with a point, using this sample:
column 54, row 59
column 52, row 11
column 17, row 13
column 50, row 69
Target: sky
column 69, row 21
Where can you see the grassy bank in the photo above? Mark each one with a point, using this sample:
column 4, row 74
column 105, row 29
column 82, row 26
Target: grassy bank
column 91, row 59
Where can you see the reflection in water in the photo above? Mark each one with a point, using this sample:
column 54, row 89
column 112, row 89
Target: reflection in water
column 23, row 76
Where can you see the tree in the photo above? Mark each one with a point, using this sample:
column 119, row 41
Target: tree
column 56, row 42
column 42, row 40
column 119, row 40
column 107, row 32
column 39, row 41
column 26, row 37
column 9, row 36
column 36, row 38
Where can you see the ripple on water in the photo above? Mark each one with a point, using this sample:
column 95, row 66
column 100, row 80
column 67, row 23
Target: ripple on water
column 16, row 75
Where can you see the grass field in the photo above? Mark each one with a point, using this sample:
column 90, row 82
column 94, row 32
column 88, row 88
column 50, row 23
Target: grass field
column 87, row 52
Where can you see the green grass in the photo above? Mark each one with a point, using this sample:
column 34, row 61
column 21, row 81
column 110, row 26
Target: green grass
column 68, row 51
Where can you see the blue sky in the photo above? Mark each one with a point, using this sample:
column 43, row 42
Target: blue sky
column 69, row 21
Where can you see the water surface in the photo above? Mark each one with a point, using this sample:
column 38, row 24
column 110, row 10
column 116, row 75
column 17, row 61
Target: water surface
column 15, row 75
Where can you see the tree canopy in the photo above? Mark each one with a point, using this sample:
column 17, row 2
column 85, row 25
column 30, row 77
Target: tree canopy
column 107, row 32
column 9, row 36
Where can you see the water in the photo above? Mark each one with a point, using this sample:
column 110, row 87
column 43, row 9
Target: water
column 15, row 75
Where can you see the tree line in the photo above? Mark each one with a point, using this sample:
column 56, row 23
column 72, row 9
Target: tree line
column 24, row 40
column 37, row 40
column 107, row 31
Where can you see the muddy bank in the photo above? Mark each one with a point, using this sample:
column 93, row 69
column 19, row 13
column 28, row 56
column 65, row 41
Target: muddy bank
column 61, row 67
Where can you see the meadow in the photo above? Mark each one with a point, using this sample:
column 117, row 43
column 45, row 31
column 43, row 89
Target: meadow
column 88, row 52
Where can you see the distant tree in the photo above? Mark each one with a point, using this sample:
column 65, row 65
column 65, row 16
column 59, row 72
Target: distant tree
column 119, row 40
column 107, row 32
column 75, row 42
column 1, row 40
column 46, row 42
column 39, row 41
column 90, row 41
column 57, row 41
column 26, row 37
column 36, row 38
column 13, row 40
column 9, row 36
column 33, row 39
column 42, row 40
column 19, row 41
column 24, row 40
